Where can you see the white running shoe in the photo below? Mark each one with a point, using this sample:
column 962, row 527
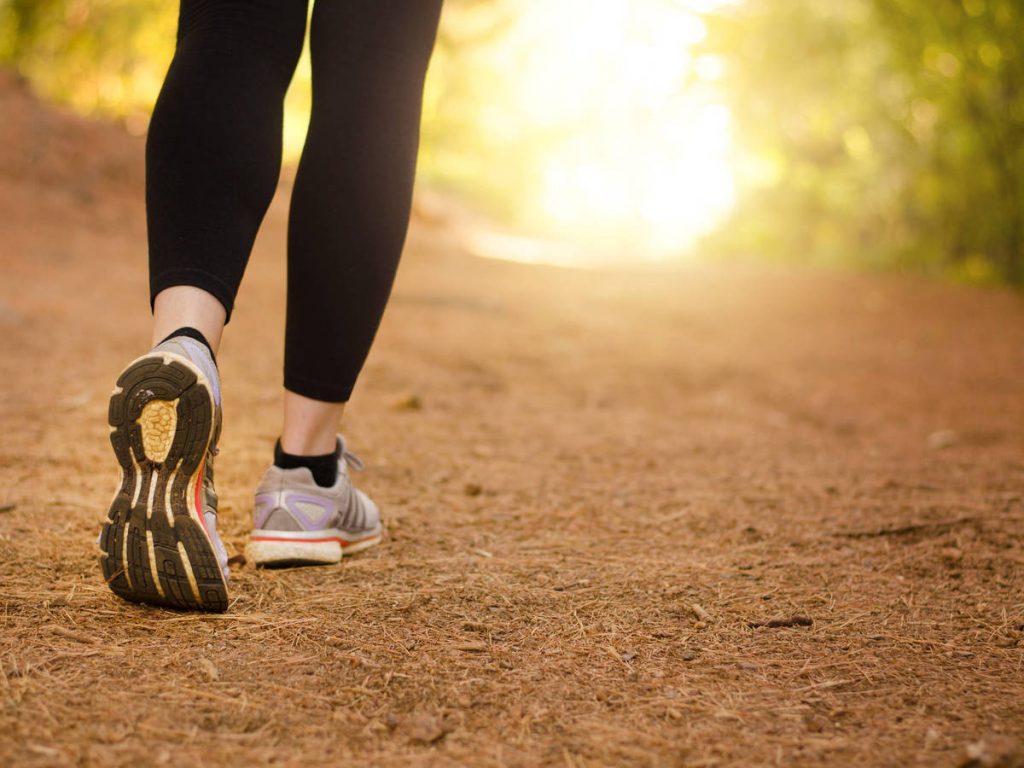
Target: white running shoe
column 297, row 522
column 159, row 544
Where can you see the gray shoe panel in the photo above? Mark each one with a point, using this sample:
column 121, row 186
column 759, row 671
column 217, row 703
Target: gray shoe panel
column 290, row 500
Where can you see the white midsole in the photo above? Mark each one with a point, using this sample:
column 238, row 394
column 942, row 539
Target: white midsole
column 306, row 546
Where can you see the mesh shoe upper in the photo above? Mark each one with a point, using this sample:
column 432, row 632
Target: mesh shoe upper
column 290, row 500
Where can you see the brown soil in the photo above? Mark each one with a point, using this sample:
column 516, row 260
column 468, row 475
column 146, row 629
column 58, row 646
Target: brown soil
column 609, row 495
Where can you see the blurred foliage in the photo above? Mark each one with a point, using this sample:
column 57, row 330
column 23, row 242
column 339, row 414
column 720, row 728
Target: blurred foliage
column 877, row 131
column 99, row 56
column 468, row 147
column 108, row 57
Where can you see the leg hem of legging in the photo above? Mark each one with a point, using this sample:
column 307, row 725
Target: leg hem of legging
column 316, row 390
column 196, row 278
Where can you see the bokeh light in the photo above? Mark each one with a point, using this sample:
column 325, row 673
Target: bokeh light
column 619, row 137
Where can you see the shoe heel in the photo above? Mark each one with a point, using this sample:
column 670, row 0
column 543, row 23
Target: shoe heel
column 154, row 546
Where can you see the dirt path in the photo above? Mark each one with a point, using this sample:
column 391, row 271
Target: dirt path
column 613, row 479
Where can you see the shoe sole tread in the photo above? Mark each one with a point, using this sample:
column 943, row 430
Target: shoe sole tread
column 154, row 545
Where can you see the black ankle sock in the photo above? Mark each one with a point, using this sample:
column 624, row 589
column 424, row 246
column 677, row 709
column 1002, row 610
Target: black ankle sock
column 192, row 333
column 324, row 468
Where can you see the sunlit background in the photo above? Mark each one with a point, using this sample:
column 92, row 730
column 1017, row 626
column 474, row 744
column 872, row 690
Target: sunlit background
column 864, row 133
column 595, row 122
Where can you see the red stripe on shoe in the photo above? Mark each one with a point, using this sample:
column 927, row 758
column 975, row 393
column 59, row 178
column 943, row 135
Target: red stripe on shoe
column 343, row 542
column 199, row 495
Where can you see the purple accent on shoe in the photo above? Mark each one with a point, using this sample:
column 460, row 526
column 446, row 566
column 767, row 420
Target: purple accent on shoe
column 264, row 507
column 291, row 502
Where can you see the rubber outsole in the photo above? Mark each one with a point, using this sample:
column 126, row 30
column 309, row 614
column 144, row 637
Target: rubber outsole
column 154, row 545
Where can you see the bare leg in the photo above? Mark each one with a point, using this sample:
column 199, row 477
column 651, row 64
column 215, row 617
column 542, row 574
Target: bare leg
column 185, row 305
column 310, row 426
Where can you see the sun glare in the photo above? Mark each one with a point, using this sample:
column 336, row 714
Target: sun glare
column 592, row 128
column 642, row 165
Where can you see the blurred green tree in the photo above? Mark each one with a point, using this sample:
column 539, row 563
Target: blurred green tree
column 878, row 131
column 99, row 56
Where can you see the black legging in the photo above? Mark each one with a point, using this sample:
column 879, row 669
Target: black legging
column 213, row 157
